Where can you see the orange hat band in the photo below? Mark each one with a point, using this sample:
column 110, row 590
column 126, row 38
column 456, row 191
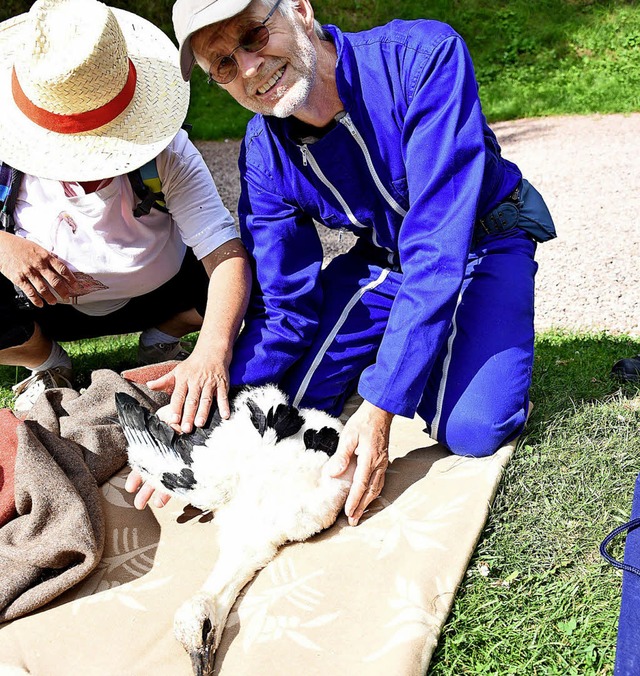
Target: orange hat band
column 77, row 122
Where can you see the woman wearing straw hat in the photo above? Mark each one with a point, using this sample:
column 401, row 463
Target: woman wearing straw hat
column 90, row 93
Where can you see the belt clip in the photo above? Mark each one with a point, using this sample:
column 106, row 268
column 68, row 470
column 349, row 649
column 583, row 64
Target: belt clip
column 515, row 197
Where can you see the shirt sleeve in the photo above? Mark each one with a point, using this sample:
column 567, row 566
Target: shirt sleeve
column 193, row 199
column 283, row 315
column 444, row 116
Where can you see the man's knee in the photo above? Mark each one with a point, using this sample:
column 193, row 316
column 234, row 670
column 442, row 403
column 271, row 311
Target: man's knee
column 476, row 437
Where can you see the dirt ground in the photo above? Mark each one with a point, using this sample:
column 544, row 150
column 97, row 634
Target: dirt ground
column 588, row 170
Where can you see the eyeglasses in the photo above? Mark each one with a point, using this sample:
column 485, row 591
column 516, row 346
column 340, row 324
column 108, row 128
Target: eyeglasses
column 256, row 37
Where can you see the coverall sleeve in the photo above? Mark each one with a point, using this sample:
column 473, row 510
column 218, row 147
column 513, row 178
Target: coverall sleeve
column 283, row 313
column 444, row 157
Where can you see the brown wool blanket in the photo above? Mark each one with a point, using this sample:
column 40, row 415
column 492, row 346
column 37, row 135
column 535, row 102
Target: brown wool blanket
column 67, row 446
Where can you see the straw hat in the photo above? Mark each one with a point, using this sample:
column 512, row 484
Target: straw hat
column 86, row 91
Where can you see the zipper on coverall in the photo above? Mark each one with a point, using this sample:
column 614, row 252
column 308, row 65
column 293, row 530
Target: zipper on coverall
column 309, row 159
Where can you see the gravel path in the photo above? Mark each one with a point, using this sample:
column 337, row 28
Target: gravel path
column 588, row 170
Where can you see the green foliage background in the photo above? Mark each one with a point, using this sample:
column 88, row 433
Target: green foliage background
column 548, row 57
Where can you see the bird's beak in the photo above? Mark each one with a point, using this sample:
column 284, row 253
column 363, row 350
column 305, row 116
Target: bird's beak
column 202, row 660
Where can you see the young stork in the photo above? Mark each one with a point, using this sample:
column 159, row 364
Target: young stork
column 260, row 471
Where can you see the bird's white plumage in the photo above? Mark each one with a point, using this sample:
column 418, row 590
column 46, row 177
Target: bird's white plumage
column 266, row 488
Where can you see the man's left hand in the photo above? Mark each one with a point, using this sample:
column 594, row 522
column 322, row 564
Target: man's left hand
column 366, row 435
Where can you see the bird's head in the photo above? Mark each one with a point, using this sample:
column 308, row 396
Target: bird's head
column 196, row 628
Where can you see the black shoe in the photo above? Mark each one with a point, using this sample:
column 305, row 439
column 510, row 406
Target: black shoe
column 627, row 369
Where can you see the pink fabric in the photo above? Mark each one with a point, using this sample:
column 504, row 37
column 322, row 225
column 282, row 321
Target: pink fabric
column 143, row 374
column 8, row 449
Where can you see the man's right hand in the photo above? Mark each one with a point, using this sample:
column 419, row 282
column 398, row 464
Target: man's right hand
column 36, row 271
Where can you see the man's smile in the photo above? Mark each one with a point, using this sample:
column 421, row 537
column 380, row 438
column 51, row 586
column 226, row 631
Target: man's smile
column 272, row 81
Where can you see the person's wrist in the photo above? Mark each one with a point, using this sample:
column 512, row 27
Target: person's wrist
column 379, row 414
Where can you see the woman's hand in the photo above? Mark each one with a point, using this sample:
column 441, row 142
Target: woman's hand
column 36, row 271
column 144, row 491
column 194, row 385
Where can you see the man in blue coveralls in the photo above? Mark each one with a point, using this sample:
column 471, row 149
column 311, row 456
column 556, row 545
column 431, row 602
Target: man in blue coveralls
column 381, row 133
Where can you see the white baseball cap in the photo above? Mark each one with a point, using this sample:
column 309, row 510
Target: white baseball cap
column 189, row 16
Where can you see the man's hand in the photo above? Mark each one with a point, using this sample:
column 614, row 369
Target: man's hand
column 366, row 435
column 36, row 271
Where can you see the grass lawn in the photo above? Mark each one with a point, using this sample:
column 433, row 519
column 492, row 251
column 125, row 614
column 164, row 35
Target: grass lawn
column 537, row 598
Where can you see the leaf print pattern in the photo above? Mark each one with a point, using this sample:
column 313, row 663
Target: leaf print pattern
column 261, row 624
column 408, row 521
column 411, row 620
column 114, row 492
column 459, row 468
column 277, row 627
column 130, row 595
column 128, row 562
column 129, row 551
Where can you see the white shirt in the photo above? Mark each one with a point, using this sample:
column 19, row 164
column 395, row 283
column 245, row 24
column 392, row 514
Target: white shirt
column 97, row 234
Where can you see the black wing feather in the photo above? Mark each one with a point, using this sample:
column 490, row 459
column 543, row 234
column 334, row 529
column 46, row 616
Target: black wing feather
column 285, row 420
column 130, row 412
column 258, row 418
column 184, row 481
column 160, row 431
column 324, row 440
column 135, row 416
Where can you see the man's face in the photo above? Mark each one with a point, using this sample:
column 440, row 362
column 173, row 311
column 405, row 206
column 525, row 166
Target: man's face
column 276, row 80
